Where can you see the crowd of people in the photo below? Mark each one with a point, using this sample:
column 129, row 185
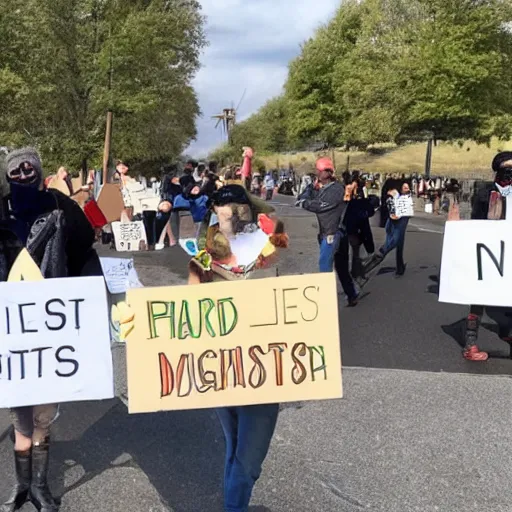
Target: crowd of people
column 58, row 236
column 55, row 231
column 344, row 209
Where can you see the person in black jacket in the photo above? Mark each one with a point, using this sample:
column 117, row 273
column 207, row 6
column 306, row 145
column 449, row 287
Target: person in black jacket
column 58, row 236
column 329, row 206
column 357, row 221
column 492, row 201
column 170, row 190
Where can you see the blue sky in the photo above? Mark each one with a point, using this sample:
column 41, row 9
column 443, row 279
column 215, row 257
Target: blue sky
column 251, row 43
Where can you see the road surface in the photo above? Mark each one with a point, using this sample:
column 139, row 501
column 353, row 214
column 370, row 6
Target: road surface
column 419, row 429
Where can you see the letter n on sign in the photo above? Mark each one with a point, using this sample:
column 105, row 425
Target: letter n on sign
column 475, row 263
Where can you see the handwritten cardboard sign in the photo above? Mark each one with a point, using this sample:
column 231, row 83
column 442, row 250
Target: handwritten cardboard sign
column 110, row 201
column 120, row 274
column 129, row 235
column 234, row 343
column 476, row 266
column 54, row 342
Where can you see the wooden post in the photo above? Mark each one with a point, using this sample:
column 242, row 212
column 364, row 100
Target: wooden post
column 428, row 159
column 106, row 152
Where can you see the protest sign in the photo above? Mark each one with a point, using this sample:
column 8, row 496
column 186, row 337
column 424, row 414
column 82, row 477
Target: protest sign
column 234, row 343
column 120, row 274
column 54, row 342
column 404, row 206
column 146, row 202
column 476, row 267
column 110, row 201
column 129, row 235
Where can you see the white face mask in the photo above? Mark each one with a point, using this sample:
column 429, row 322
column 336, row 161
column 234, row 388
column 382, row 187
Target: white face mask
column 214, row 219
column 504, row 191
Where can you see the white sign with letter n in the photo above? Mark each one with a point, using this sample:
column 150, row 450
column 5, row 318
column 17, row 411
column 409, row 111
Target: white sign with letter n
column 54, row 342
column 477, row 263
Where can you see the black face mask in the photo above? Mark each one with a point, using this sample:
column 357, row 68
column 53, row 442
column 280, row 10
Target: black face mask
column 504, row 177
column 24, row 175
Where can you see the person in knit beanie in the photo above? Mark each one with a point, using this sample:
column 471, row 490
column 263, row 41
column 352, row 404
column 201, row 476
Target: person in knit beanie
column 60, row 243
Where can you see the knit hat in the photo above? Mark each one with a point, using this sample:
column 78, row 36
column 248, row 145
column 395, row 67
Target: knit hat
column 500, row 159
column 19, row 156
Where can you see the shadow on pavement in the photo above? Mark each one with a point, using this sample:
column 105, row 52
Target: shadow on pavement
column 181, row 452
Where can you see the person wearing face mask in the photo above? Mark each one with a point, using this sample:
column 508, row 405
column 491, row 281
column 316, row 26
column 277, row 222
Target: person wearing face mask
column 491, row 202
column 248, row 430
column 59, row 238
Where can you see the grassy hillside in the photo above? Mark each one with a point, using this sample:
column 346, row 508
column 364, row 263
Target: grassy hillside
column 469, row 161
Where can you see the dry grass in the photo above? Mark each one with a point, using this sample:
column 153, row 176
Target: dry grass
column 469, row 161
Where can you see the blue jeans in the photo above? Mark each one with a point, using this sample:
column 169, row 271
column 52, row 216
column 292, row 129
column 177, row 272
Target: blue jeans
column 248, row 431
column 327, row 251
column 395, row 239
column 337, row 254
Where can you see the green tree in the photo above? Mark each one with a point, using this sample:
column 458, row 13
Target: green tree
column 69, row 61
column 314, row 112
column 395, row 70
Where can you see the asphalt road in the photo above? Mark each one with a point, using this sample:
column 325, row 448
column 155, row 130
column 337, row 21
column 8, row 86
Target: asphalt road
column 419, row 429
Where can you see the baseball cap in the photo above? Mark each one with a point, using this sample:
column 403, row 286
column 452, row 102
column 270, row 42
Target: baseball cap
column 324, row 164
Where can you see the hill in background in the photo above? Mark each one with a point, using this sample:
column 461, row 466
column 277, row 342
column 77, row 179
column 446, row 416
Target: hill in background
column 470, row 160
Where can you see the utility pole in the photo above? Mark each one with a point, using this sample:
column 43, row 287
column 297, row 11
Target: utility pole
column 106, row 151
column 108, row 131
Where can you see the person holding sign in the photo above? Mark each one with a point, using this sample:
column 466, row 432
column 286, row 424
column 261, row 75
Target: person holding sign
column 59, row 238
column 240, row 244
column 401, row 209
column 492, row 202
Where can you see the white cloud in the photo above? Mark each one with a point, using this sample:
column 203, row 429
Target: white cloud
column 251, row 43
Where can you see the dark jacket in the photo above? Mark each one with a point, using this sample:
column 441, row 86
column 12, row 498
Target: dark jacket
column 169, row 190
column 186, row 180
column 61, row 232
column 329, row 207
column 480, row 202
column 358, row 212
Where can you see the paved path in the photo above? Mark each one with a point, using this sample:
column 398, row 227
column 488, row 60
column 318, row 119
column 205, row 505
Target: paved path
column 419, row 429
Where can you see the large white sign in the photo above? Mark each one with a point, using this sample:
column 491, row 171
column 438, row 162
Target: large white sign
column 54, row 342
column 477, row 263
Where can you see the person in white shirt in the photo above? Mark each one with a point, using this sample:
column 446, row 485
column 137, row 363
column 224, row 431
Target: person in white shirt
column 269, row 186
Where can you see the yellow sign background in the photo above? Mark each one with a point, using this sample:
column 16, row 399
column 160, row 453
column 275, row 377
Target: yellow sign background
column 234, row 343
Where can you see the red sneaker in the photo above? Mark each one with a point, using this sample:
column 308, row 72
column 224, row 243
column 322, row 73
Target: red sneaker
column 473, row 353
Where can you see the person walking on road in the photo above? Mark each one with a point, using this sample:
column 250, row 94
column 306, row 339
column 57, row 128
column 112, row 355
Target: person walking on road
column 248, row 430
column 357, row 223
column 329, row 205
column 492, row 202
column 269, row 185
column 399, row 204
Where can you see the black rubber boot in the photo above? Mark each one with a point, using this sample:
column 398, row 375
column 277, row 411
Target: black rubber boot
column 357, row 268
column 371, row 263
column 20, row 493
column 40, row 494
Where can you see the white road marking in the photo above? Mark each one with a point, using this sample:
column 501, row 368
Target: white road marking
column 427, row 230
